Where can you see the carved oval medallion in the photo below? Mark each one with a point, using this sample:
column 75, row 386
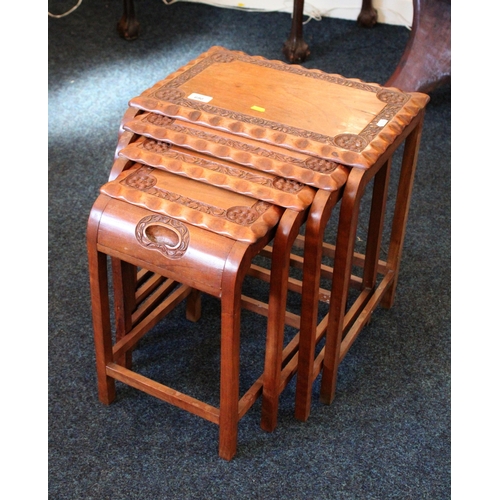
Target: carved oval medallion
column 168, row 236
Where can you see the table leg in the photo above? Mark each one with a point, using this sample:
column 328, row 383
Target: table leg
column 128, row 26
column 368, row 16
column 287, row 232
column 295, row 48
column 237, row 264
column 346, row 237
column 315, row 228
column 402, row 207
column 124, row 284
column 100, row 308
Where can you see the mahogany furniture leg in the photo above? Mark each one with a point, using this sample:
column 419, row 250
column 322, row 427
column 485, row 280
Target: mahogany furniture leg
column 193, row 306
column 315, row 228
column 230, row 349
column 124, row 280
column 100, row 308
column 309, row 367
column 426, row 60
column 295, row 48
column 407, row 175
column 128, row 26
column 343, row 328
column 376, row 226
column 368, row 16
column 280, row 264
column 346, row 237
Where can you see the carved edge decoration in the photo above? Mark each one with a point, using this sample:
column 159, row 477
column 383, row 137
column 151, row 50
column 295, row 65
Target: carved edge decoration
column 277, row 190
column 168, row 236
column 243, row 223
column 361, row 150
column 312, row 170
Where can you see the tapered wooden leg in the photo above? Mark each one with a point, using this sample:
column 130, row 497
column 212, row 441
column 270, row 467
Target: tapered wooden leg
column 100, row 308
column 229, row 378
column 376, row 225
column 407, row 176
column 346, row 238
column 315, row 228
column 193, row 305
column 368, row 16
column 124, row 285
column 280, row 264
column 232, row 281
column 102, row 324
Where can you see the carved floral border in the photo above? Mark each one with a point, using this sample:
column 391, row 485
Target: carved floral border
column 143, row 180
column 394, row 100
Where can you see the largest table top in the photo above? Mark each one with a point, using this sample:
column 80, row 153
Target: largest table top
column 325, row 115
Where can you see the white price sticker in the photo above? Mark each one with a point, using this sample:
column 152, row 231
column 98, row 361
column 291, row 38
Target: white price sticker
column 200, row 97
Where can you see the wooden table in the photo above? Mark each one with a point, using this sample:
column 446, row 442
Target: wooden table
column 326, row 138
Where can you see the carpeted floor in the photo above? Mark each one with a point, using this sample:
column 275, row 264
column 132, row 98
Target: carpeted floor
column 387, row 433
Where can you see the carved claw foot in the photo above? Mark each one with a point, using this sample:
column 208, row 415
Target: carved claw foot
column 128, row 28
column 296, row 49
column 368, row 18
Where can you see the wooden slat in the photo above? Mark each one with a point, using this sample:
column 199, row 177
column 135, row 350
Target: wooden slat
column 262, row 308
column 163, row 392
column 153, row 300
column 147, row 285
column 249, row 398
column 364, row 315
column 131, row 339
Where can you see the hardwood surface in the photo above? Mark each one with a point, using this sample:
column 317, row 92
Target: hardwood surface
column 303, row 110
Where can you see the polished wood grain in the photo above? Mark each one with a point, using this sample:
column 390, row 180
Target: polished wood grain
column 345, row 120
